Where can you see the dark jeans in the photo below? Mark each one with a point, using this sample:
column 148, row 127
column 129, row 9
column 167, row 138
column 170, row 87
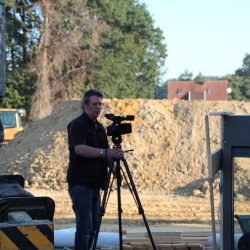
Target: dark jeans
column 86, row 205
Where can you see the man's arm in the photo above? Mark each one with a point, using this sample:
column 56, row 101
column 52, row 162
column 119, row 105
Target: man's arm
column 91, row 152
column 77, row 135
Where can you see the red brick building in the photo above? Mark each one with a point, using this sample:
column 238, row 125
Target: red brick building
column 198, row 90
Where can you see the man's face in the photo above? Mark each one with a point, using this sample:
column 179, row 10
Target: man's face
column 93, row 108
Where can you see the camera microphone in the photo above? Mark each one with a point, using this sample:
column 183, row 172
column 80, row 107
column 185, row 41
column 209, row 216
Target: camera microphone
column 130, row 117
column 109, row 116
column 114, row 118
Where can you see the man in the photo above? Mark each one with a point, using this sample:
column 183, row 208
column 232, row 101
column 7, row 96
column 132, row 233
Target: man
column 87, row 171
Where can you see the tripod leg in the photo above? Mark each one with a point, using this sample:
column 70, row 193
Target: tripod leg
column 118, row 176
column 141, row 211
column 129, row 187
column 105, row 198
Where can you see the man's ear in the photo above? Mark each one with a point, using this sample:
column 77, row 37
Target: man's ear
column 83, row 105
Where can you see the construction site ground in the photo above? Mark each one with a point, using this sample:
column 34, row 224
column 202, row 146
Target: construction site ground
column 168, row 162
column 166, row 215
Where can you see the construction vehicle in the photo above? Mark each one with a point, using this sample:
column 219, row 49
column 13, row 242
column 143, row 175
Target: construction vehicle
column 26, row 222
column 12, row 122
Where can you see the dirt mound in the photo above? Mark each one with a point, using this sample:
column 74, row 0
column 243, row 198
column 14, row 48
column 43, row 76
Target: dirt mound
column 168, row 139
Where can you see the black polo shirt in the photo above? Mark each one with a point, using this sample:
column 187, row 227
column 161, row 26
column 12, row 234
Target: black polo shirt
column 83, row 170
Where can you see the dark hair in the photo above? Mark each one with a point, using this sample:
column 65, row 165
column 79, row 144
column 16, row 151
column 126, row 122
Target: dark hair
column 88, row 94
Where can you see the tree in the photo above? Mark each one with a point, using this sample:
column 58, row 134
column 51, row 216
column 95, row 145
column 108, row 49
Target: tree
column 64, row 55
column 201, row 77
column 240, row 82
column 245, row 70
column 185, row 76
column 60, row 48
column 19, row 42
column 240, row 87
column 130, row 51
column 162, row 90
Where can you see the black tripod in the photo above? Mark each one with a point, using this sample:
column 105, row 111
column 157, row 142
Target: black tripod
column 117, row 171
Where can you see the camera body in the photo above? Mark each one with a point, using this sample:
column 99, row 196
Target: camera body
column 116, row 129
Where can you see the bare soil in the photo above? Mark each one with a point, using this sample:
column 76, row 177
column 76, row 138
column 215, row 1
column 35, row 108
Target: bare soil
column 168, row 164
column 161, row 211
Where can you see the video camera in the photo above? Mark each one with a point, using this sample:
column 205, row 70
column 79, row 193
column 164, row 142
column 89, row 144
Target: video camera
column 116, row 129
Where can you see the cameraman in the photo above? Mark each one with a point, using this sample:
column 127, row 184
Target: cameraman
column 87, row 171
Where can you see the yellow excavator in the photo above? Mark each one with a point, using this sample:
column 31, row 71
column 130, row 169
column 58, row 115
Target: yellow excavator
column 26, row 222
column 11, row 122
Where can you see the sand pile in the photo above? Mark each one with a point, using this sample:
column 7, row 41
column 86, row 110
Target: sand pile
column 168, row 139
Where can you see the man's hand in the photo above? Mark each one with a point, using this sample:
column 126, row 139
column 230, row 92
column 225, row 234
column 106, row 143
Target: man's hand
column 91, row 152
column 116, row 153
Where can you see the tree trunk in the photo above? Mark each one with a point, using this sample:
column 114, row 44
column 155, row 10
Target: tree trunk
column 41, row 102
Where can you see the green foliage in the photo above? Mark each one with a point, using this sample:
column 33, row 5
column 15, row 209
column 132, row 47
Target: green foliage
column 130, row 51
column 240, row 82
column 162, row 91
column 120, row 51
column 201, row 77
column 20, row 87
column 185, row 76
column 10, row 4
column 245, row 70
column 240, row 87
column 19, row 42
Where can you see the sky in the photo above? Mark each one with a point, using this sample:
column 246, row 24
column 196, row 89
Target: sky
column 210, row 37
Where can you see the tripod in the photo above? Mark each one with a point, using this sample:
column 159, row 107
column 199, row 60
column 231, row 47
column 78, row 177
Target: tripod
column 117, row 172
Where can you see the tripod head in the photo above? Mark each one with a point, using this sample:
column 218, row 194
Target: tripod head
column 117, row 141
column 117, row 129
